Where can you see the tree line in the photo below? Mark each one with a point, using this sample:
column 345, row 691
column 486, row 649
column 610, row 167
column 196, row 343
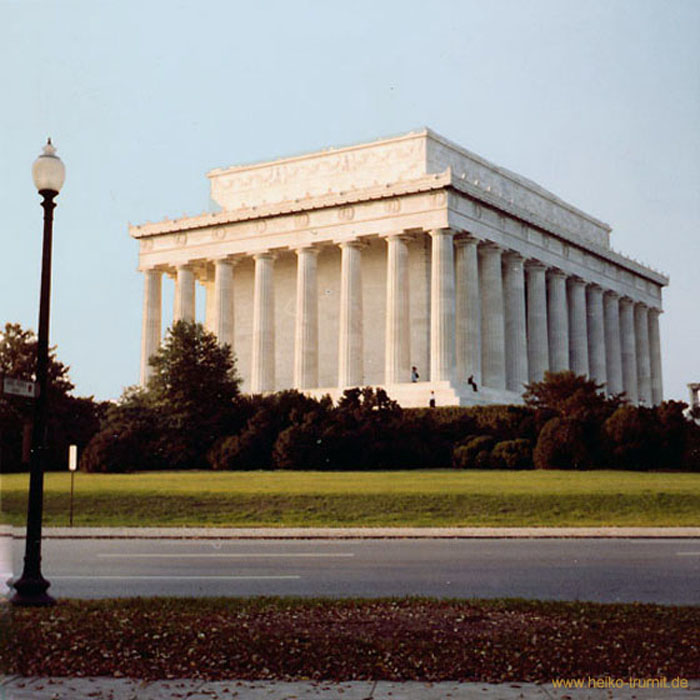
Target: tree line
column 192, row 414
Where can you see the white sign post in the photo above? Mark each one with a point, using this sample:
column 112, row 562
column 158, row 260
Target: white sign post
column 72, row 466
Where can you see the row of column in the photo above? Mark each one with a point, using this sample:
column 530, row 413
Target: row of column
column 535, row 319
column 493, row 316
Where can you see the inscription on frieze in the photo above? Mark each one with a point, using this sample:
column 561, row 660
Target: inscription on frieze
column 392, row 206
column 301, row 220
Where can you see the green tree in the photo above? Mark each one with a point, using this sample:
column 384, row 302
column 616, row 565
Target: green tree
column 72, row 420
column 18, row 359
column 569, row 395
column 194, row 387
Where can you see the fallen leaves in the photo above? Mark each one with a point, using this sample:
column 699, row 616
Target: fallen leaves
column 392, row 639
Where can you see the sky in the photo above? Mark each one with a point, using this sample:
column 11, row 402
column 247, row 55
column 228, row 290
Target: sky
column 597, row 101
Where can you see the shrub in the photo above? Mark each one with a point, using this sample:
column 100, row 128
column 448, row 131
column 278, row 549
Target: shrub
column 633, row 440
column 673, row 431
column 512, row 454
column 691, row 455
column 301, row 445
column 562, row 445
column 475, row 454
column 131, row 437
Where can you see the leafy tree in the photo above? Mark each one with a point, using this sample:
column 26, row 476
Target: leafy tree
column 18, row 359
column 194, row 388
column 72, row 420
column 568, row 395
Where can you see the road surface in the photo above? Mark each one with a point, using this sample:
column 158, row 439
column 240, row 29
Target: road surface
column 606, row 570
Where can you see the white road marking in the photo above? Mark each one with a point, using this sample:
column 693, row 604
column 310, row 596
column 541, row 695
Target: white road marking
column 223, row 555
column 171, row 578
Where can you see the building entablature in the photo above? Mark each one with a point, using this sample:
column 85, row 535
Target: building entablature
column 432, row 203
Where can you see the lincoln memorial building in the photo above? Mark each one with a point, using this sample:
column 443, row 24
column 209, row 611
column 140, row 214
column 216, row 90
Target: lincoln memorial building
column 351, row 266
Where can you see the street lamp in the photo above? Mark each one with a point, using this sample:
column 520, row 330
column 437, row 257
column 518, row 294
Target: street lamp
column 49, row 173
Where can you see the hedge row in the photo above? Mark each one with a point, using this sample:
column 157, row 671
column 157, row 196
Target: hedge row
column 367, row 430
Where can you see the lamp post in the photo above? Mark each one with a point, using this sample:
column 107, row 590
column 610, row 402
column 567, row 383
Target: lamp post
column 30, row 589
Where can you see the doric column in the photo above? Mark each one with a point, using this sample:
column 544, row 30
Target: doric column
column 209, row 316
column 641, row 335
column 578, row 331
column 350, row 342
column 537, row 337
column 596, row 334
column 629, row 349
column 493, row 345
column 263, row 358
column 558, row 321
column 613, row 350
column 442, row 306
column 151, row 323
column 468, row 310
column 515, row 323
column 222, row 311
column 657, row 394
column 184, row 294
column 396, row 347
column 306, row 321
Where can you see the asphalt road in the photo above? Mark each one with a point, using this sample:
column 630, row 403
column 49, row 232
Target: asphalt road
column 607, row 570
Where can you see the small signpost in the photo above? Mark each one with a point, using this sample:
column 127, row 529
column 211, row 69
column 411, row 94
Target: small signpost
column 19, row 387
column 72, row 466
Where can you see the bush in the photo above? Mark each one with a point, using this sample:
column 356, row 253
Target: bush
column 633, row 440
column 131, row 437
column 691, row 455
column 475, row 454
column 673, row 431
column 512, row 454
column 301, row 445
column 562, row 445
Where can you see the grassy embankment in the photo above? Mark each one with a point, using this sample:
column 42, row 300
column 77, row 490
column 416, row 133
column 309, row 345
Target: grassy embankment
column 363, row 499
column 396, row 639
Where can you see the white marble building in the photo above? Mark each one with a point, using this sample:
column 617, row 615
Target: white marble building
column 348, row 266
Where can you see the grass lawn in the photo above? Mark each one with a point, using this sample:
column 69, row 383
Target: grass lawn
column 393, row 639
column 323, row 499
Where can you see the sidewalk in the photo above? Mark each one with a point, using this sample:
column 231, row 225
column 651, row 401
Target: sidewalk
column 358, row 532
column 17, row 688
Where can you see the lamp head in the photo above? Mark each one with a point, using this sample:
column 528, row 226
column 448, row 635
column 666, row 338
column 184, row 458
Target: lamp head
column 48, row 170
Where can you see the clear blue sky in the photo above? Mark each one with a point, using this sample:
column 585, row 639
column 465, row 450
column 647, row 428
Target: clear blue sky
column 597, row 101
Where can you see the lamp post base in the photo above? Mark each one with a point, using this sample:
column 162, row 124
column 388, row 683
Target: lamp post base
column 31, row 590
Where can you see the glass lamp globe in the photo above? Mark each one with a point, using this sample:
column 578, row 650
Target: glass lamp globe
column 48, row 170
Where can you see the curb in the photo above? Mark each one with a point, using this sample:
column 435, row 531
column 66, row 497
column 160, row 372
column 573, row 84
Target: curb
column 340, row 533
column 128, row 688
